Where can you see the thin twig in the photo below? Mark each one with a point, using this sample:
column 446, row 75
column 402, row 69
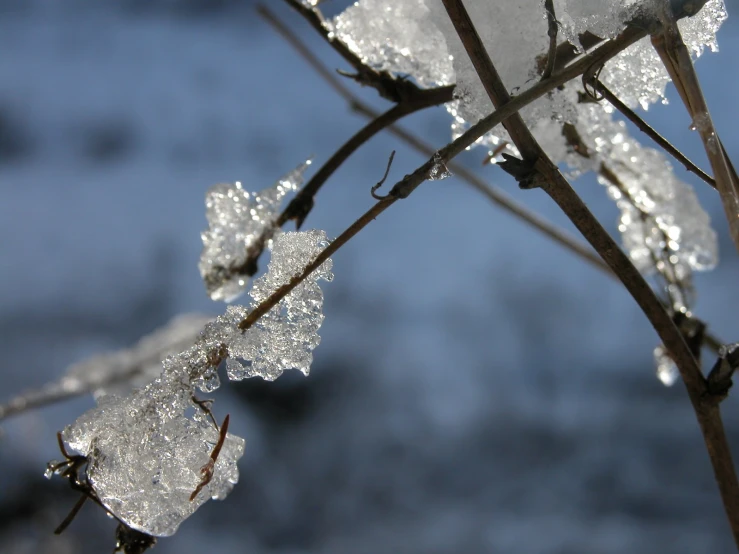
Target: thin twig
column 373, row 190
column 546, row 175
column 301, row 205
column 648, row 130
column 208, row 469
column 140, row 361
column 71, row 515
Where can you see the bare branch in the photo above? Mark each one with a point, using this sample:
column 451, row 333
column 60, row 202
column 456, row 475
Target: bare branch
column 545, row 174
column 301, row 205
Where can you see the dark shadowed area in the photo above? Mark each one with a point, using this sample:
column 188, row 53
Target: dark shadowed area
column 478, row 389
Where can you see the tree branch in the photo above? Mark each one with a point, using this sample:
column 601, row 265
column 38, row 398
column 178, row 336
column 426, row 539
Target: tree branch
column 545, row 174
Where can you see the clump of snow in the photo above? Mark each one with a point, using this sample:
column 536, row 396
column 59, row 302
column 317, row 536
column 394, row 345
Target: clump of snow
column 145, row 455
column 398, row 37
column 286, row 336
column 236, row 220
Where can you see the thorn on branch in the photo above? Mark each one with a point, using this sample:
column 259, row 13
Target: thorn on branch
column 382, row 181
column 591, row 80
column 720, row 376
column 522, row 171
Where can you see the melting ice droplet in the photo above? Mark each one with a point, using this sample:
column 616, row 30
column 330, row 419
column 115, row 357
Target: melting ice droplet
column 439, row 170
column 667, row 371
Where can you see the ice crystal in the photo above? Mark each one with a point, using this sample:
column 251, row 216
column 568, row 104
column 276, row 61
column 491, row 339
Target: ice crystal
column 145, row 456
column 286, row 336
column 439, row 170
column 236, row 220
column 667, row 371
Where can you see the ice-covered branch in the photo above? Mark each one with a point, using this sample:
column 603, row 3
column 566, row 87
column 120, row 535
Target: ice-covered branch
column 390, row 87
column 544, row 174
column 115, row 371
column 492, row 193
column 154, row 456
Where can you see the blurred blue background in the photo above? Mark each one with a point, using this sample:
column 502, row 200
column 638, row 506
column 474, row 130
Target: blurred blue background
column 478, row 389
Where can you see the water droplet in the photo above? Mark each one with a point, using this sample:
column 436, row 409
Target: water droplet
column 667, row 371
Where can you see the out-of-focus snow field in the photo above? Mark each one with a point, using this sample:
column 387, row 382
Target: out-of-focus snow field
column 477, row 389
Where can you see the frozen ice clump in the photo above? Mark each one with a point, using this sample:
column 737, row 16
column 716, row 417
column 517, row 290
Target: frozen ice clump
column 416, row 38
column 514, row 33
column 637, row 75
column 439, row 170
column 660, row 215
column 236, row 220
column 145, row 456
column 286, row 336
column 396, row 36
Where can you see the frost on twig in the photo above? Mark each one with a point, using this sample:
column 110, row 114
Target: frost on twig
column 237, row 220
column 155, row 456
